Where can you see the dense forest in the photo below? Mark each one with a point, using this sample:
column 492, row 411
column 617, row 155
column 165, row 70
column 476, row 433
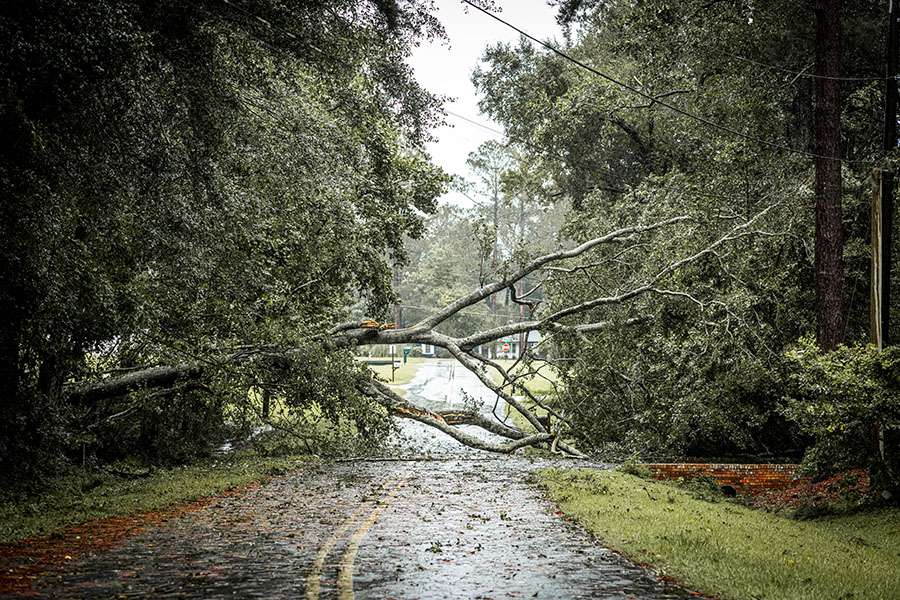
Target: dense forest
column 209, row 205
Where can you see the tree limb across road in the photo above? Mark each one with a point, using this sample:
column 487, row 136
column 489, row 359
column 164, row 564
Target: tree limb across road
column 463, row 349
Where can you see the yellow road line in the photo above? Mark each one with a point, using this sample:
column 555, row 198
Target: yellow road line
column 345, row 578
column 314, row 579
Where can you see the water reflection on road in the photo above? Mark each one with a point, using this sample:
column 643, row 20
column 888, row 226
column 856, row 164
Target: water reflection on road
column 444, row 384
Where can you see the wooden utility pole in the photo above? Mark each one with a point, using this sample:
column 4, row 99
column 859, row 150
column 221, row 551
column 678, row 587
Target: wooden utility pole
column 396, row 284
column 877, row 287
column 887, row 178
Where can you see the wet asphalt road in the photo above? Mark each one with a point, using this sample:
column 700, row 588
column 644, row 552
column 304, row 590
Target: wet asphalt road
column 441, row 385
column 471, row 525
column 459, row 529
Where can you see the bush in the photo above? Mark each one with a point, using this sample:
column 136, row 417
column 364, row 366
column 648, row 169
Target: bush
column 634, row 466
column 702, row 487
column 845, row 400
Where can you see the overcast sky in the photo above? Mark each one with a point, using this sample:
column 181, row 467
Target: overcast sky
column 446, row 70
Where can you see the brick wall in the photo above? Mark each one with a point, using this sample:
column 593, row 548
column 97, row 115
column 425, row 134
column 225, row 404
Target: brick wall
column 744, row 478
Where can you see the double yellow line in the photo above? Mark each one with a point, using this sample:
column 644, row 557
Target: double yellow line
column 345, row 576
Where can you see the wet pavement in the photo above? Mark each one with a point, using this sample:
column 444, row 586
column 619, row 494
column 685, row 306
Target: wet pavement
column 445, row 385
column 471, row 525
column 402, row 529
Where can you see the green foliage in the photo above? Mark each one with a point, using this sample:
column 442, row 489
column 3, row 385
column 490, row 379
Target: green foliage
column 185, row 182
column 634, row 466
column 174, row 429
column 702, row 487
column 698, row 368
column 843, row 400
column 456, row 256
column 729, row 551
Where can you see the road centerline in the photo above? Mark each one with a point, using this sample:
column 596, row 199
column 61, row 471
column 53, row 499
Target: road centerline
column 345, row 576
column 314, row 579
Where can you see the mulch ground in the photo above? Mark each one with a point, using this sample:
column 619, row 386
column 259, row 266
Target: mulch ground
column 849, row 486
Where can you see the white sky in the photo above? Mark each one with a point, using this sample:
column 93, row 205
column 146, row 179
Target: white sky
column 446, row 70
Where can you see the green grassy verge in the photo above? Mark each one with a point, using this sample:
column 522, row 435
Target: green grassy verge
column 730, row 551
column 84, row 496
column 536, row 383
column 403, row 375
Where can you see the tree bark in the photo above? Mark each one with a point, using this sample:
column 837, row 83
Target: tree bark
column 154, row 377
column 829, row 240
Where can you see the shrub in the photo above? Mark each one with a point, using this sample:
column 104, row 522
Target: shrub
column 848, row 401
column 634, row 466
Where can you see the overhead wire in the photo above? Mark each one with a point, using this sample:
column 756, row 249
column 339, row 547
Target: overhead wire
column 802, row 73
column 496, row 317
column 538, row 148
column 657, row 100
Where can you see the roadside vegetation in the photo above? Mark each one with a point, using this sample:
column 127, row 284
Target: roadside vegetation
column 402, row 376
column 87, row 494
column 212, row 207
column 733, row 552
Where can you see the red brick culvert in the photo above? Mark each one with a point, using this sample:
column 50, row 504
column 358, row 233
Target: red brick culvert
column 746, row 479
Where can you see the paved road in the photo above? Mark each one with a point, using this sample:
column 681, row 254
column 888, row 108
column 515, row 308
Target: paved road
column 472, row 526
column 460, row 529
column 440, row 385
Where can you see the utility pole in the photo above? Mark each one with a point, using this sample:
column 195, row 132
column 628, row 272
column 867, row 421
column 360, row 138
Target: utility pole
column 494, row 257
column 397, row 309
column 883, row 205
column 887, row 177
column 877, row 288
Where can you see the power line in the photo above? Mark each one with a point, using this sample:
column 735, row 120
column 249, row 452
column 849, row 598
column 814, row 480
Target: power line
column 593, row 188
column 462, row 312
column 655, row 99
column 477, row 124
column 802, row 73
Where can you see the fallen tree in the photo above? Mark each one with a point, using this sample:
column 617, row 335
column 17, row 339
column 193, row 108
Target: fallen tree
column 556, row 319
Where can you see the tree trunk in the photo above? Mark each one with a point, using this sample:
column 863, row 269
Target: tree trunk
column 829, row 242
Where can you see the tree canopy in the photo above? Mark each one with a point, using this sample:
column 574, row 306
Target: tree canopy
column 207, row 201
column 702, row 109
column 186, row 178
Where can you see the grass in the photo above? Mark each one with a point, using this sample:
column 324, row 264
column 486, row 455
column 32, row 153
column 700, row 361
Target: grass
column 536, row 384
column 731, row 551
column 403, row 375
column 85, row 495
